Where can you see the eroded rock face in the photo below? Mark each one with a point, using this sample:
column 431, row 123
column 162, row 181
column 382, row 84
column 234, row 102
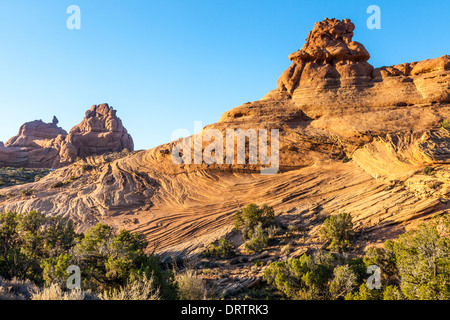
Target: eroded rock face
column 352, row 139
column 328, row 59
column 35, row 134
column 101, row 131
column 45, row 145
column 331, row 71
column 331, row 103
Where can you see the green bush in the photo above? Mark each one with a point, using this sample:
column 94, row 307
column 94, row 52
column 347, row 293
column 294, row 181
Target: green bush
column 428, row 170
column 364, row 293
column 54, row 269
column 27, row 239
column 224, row 249
column 249, row 217
column 338, row 231
column 136, row 288
column 304, row 278
column 423, row 261
column 40, row 248
column 58, row 184
column 392, row 293
column 108, row 259
column 386, row 260
column 446, row 123
column 258, row 239
column 26, row 192
column 415, row 266
column 344, row 281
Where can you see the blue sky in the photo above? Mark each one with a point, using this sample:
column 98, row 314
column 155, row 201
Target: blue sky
column 165, row 64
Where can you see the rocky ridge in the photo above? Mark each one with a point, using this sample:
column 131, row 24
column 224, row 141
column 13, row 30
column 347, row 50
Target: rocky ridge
column 45, row 145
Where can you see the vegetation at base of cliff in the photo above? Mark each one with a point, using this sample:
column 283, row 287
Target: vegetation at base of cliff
column 255, row 223
column 15, row 176
column 223, row 249
column 338, row 231
column 39, row 249
column 36, row 252
column 414, row 266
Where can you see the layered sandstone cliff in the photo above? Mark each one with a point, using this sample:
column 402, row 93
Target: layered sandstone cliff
column 351, row 138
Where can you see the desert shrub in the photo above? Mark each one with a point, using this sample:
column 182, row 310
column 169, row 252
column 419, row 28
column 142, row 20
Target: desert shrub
column 108, row 259
column 446, row 123
column 251, row 216
column 273, row 231
column 54, row 292
column 385, row 259
column 58, row 184
column 26, row 192
column 224, row 249
column 428, row 170
column 258, row 263
column 359, row 268
column 54, row 269
column 303, row 278
column 26, row 239
column 338, row 231
column 344, row 281
column 364, row 293
column 41, row 248
column 258, row 239
column 392, row 293
column 190, row 285
column 436, row 184
column 136, row 288
column 60, row 236
column 423, row 261
column 87, row 167
column 291, row 230
column 15, row 289
column 414, row 266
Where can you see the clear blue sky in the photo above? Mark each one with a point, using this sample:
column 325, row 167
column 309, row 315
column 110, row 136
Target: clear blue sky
column 165, row 64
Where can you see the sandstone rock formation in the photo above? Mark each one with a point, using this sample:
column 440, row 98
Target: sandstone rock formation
column 45, row 145
column 101, row 131
column 329, row 59
column 353, row 138
column 35, row 134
